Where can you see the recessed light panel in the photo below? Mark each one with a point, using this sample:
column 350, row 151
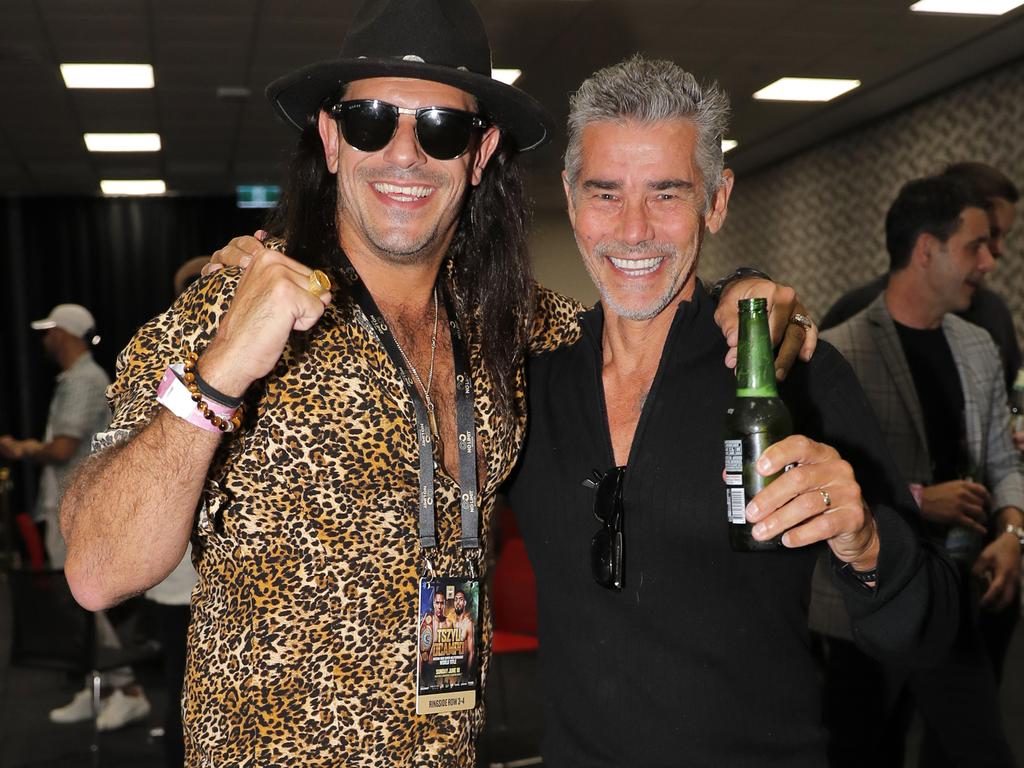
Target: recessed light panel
column 728, row 144
column 509, row 76
column 107, row 75
column 967, row 7
column 122, row 142
column 133, row 186
column 805, row 89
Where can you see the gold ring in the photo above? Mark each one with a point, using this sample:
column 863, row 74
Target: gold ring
column 802, row 320
column 825, row 497
column 318, row 283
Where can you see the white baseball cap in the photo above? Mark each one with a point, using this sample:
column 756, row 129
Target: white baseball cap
column 73, row 318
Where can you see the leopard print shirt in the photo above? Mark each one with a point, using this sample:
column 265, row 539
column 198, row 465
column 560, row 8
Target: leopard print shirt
column 302, row 643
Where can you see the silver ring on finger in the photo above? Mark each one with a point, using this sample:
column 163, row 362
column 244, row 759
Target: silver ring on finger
column 802, row 320
column 825, row 498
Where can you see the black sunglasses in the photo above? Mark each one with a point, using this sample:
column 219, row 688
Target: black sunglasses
column 607, row 548
column 370, row 124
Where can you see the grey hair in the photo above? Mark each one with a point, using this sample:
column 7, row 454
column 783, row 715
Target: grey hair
column 648, row 91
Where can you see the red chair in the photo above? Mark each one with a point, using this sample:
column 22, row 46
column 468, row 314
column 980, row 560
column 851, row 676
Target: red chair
column 512, row 736
column 31, row 540
column 515, row 600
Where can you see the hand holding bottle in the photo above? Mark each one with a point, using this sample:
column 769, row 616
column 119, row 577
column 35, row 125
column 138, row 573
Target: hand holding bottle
column 818, row 499
column 794, row 339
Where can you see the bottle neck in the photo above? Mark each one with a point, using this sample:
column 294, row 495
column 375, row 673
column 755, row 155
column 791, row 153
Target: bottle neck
column 755, row 365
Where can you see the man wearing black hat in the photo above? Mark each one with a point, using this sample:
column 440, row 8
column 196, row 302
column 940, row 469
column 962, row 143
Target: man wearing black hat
column 351, row 409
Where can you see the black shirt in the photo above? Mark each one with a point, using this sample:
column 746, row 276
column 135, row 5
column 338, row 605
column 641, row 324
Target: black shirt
column 703, row 658
column 937, row 382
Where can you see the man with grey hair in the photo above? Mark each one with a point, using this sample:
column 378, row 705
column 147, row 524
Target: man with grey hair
column 692, row 653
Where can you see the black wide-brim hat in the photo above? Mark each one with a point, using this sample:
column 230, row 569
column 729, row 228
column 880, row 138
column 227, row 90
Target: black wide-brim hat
column 443, row 41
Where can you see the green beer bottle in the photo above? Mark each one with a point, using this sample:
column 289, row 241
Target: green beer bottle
column 757, row 419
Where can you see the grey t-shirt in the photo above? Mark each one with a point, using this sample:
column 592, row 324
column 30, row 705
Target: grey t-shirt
column 78, row 409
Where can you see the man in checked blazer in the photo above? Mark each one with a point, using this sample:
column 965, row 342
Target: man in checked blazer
column 936, row 383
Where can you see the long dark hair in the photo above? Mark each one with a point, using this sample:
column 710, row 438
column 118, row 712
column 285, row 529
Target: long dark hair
column 488, row 253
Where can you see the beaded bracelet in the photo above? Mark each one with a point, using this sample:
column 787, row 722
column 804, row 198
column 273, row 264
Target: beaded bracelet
column 208, row 391
column 208, row 406
column 180, row 399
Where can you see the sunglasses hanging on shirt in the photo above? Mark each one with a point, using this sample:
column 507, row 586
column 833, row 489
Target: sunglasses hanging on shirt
column 369, row 125
column 608, row 547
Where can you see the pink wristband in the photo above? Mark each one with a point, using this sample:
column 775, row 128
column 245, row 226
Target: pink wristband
column 917, row 491
column 173, row 395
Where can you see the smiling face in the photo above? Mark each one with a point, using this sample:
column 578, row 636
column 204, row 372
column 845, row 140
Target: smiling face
column 957, row 267
column 638, row 213
column 399, row 204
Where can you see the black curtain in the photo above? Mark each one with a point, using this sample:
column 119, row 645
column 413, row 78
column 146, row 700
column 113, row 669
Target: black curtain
column 115, row 256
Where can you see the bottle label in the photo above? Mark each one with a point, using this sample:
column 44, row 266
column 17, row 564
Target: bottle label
column 736, row 499
column 743, row 481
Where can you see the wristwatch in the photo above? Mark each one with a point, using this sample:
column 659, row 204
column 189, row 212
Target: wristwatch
column 1017, row 531
column 736, row 274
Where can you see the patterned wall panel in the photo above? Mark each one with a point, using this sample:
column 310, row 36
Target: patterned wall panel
column 816, row 219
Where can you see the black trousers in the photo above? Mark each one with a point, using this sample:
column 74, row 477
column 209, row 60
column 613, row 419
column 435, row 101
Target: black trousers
column 868, row 706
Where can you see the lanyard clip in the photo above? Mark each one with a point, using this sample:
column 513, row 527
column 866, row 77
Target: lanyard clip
column 429, row 566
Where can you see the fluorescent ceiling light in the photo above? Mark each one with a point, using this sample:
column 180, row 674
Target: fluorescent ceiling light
column 133, row 186
column 967, row 7
column 107, row 75
column 728, row 144
column 805, row 89
column 122, row 142
column 509, row 76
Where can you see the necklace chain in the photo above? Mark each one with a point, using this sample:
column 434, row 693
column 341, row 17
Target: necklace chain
column 430, row 374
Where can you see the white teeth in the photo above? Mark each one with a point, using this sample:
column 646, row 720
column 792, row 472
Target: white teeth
column 637, row 266
column 404, row 194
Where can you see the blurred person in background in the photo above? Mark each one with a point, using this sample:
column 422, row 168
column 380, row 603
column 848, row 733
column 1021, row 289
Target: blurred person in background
column 78, row 410
column 936, row 383
column 987, row 308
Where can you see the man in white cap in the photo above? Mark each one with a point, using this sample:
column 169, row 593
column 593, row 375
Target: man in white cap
column 77, row 411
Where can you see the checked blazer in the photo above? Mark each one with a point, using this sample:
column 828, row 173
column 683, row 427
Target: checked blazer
column 870, row 343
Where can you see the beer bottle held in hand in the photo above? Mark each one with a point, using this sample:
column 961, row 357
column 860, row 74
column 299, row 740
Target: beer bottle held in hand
column 757, row 419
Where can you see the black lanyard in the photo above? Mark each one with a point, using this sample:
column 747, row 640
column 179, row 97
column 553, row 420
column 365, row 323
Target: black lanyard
column 465, row 427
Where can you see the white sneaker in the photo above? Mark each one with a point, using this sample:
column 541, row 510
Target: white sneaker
column 119, row 710
column 78, row 709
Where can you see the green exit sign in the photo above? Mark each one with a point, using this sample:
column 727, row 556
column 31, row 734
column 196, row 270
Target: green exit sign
column 257, row 195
